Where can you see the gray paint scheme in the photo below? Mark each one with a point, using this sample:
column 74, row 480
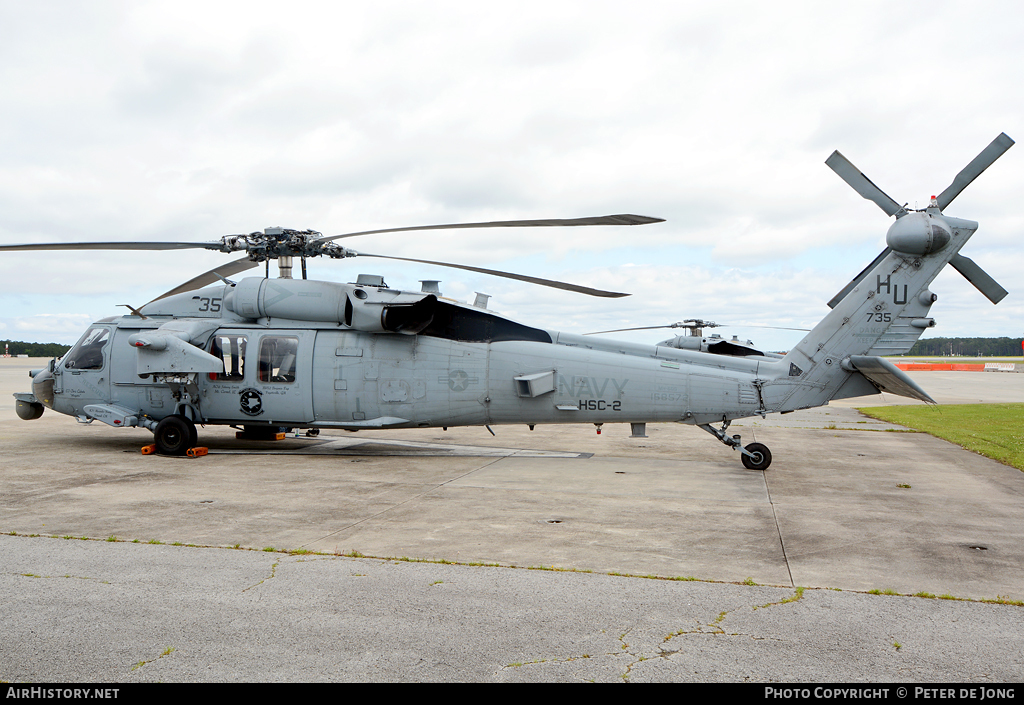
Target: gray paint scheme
column 350, row 378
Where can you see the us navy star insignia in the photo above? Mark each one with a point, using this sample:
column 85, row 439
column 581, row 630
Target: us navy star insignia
column 458, row 380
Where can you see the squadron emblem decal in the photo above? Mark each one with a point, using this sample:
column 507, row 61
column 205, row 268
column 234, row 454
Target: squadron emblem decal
column 251, row 402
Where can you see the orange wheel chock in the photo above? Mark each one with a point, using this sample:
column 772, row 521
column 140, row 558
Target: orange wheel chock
column 149, row 450
column 197, row 452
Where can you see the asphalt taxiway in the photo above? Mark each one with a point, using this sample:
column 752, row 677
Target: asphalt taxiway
column 331, row 588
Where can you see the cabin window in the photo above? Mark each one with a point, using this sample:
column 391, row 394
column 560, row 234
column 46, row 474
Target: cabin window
column 277, row 359
column 230, row 349
column 88, row 353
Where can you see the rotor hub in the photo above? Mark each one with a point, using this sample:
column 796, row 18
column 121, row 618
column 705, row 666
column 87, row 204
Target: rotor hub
column 274, row 243
column 918, row 233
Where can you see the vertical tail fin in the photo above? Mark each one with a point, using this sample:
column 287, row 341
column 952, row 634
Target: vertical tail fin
column 884, row 309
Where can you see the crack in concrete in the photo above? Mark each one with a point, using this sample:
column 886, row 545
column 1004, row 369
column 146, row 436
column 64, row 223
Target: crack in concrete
column 166, row 652
column 273, row 573
column 713, row 628
column 66, row 575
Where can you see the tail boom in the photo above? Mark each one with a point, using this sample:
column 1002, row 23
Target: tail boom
column 884, row 312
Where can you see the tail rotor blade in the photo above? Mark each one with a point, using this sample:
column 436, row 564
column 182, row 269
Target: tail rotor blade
column 979, row 278
column 863, row 185
column 970, row 172
column 857, row 279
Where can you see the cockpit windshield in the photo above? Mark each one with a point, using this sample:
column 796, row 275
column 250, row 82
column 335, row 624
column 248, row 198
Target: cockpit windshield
column 88, row 352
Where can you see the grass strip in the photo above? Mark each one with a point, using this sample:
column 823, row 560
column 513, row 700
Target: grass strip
column 993, row 430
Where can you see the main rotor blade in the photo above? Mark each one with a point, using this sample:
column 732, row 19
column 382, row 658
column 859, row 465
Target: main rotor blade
column 970, row 172
column 623, row 330
column 214, row 275
column 115, row 246
column 744, row 325
column 979, row 278
column 622, row 219
column 863, row 185
column 507, row 275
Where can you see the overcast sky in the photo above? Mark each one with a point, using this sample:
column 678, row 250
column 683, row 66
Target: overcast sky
column 179, row 120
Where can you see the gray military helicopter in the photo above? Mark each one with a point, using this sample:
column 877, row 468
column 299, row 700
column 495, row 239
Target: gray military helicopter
column 270, row 354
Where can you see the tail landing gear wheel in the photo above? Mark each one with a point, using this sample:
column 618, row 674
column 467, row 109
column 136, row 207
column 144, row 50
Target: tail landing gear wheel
column 762, row 457
column 174, row 435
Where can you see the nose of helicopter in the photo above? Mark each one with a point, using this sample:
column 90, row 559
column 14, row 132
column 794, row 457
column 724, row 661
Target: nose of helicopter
column 42, row 386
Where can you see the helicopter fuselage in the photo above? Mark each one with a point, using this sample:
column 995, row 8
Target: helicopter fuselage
column 317, row 374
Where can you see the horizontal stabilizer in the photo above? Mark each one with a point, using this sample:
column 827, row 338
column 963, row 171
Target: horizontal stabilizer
column 889, row 378
column 979, row 278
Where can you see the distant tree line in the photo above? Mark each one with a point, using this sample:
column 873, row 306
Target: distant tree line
column 19, row 347
column 968, row 347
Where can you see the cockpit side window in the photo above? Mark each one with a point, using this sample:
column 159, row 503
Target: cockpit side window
column 230, row 349
column 88, row 353
column 277, row 359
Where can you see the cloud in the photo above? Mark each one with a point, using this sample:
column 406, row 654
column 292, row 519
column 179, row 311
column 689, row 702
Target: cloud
column 190, row 121
column 47, row 328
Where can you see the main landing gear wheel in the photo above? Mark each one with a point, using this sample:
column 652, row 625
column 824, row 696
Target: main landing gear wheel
column 174, row 435
column 762, row 457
